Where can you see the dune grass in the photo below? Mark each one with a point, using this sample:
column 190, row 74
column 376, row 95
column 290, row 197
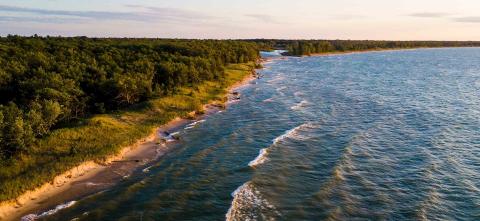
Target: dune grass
column 104, row 135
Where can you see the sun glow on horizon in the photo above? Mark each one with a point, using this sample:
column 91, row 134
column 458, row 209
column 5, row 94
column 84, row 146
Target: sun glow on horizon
column 304, row 19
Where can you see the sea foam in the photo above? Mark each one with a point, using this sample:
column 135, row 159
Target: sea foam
column 263, row 154
column 292, row 133
column 261, row 158
column 32, row 217
column 276, row 79
column 194, row 124
column 300, row 105
column 147, row 170
column 268, row 100
column 249, row 204
column 170, row 137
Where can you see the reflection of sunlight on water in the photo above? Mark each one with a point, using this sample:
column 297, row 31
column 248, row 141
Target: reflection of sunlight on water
column 387, row 138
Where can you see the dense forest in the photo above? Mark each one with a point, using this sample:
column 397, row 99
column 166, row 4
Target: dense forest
column 49, row 82
column 309, row 47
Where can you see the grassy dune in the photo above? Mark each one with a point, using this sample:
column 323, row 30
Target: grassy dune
column 104, row 135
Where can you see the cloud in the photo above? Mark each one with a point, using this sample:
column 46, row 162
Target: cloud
column 429, row 15
column 172, row 13
column 47, row 19
column 140, row 13
column 264, row 18
column 468, row 19
column 465, row 19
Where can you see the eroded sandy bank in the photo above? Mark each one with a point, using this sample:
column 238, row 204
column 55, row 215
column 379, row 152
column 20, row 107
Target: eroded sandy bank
column 92, row 177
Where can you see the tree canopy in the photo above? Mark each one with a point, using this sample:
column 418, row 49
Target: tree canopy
column 49, row 82
column 308, row 47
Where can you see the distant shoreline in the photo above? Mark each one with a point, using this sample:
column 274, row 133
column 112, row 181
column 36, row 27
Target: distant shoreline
column 91, row 177
column 369, row 51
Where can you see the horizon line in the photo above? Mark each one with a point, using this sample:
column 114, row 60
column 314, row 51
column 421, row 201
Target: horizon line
column 239, row 39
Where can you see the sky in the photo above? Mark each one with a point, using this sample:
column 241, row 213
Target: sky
column 285, row 19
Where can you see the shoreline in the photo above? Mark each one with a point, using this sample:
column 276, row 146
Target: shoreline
column 362, row 51
column 359, row 52
column 92, row 177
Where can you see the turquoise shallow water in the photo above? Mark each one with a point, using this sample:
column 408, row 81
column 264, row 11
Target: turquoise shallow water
column 373, row 136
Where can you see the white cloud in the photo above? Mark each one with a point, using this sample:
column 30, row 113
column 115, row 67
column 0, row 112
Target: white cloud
column 145, row 14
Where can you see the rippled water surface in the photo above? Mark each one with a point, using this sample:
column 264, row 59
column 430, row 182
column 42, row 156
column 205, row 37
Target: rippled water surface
column 373, row 136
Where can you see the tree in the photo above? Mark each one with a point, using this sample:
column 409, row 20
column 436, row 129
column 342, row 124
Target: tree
column 42, row 116
column 2, row 140
column 17, row 134
column 132, row 87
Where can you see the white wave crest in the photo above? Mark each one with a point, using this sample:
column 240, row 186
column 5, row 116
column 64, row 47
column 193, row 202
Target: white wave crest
column 298, row 94
column 277, row 78
column 197, row 122
column 268, row 100
column 32, row 217
column 147, row 170
column 261, row 158
column 300, row 105
column 249, row 204
column 281, row 88
column 172, row 137
column 293, row 133
column 91, row 184
column 263, row 155
column 194, row 124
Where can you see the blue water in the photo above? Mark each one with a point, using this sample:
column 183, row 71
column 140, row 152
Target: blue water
column 373, row 136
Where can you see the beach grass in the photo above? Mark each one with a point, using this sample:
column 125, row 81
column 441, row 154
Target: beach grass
column 101, row 136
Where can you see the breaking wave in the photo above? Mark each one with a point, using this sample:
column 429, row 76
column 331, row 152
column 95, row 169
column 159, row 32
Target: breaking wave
column 261, row 158
column 32, row 217
column 90, row 184
column 298, row 94
column 249, row 204
column 300, row 105
column 293, row 134
column 276, row 79
column 194, row 124
column 147, row 170
column 268, row 100
column 281, row 88
column 170, row 137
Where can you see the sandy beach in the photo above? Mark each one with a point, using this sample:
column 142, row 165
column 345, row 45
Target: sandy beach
column 92, row 177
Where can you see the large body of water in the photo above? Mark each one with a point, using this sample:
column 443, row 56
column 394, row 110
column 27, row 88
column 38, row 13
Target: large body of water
column 373, row 136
